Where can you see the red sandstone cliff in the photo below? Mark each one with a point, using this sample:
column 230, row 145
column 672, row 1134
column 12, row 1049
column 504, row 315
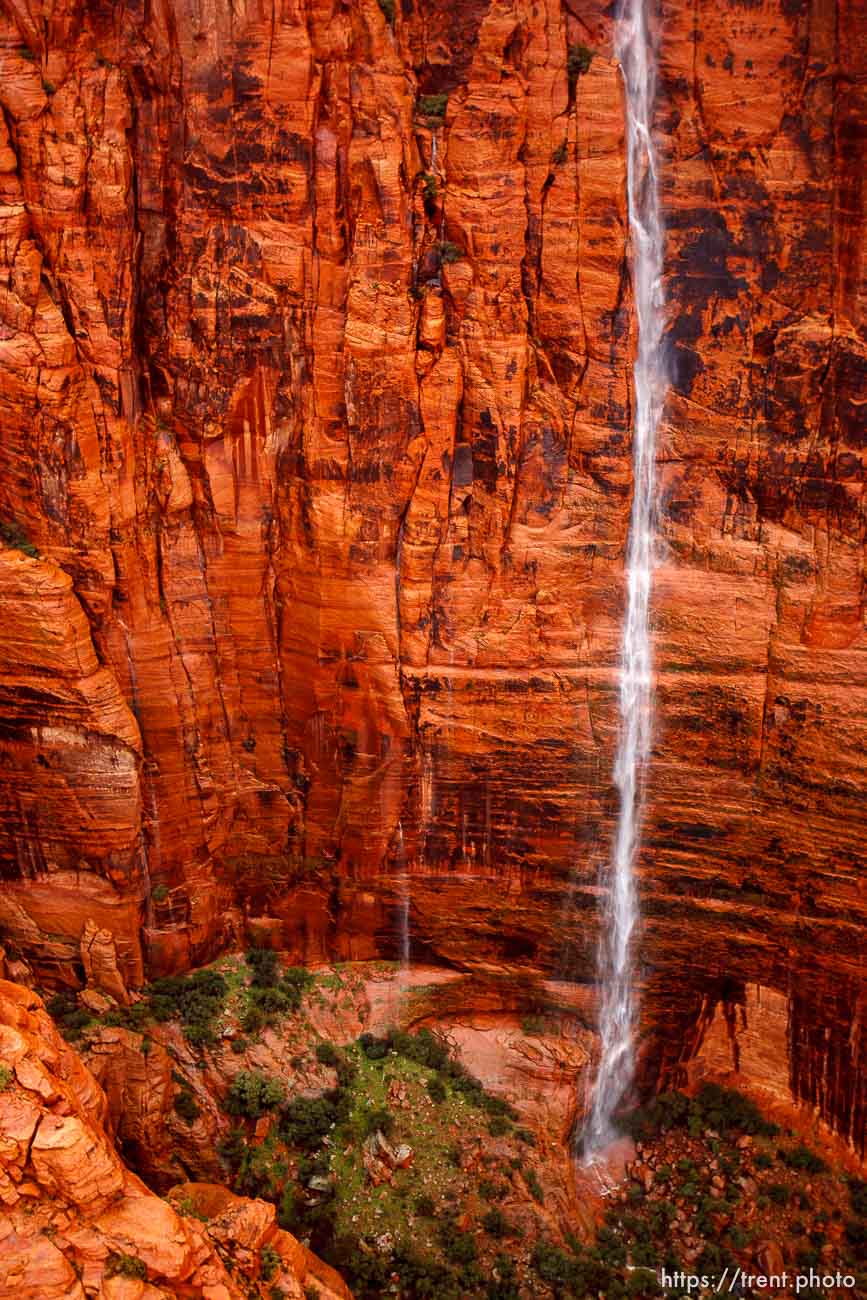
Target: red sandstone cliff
column 324, row 447
column 74, row 1220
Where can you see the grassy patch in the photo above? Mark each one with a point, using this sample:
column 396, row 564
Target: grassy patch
column 408, row 1088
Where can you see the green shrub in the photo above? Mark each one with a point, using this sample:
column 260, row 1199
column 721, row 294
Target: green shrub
column 305, row 1121
column 449, row 252
column 503, row 1284
column 49, row 87
column 714, row 1107
column 499, row 1126
column 578, row 60
column 252, row 1020
column 424, row 1206
column 389, row 11
column 429, row 187
column 5, row 1077
column 186, row 1105
column 778, row 1193
column 232, row 1147
column 160, row 893
column 252, row 1094
column 375, row 1049
column 258, row 1173
column 196, row 1000
column 532, row 1025
column 560, row 154
column 556, row 1267
column 119, row 1265
column 763, row 1160
column 425, row 1048
column 27, row 54
column 725, row 1109
column 534, row 1186
column 268, row 1261
column 433, row 107
column 264, row 965
column 801, row 1157
column 294, row 984
column 72, row 1020
column 327, row 1054
column 858, row 1196
column 458, row 1247
column 186, row 1207
column 379, row 1120
column 436, row 1089
column 496, row 1224
column 239, row 1045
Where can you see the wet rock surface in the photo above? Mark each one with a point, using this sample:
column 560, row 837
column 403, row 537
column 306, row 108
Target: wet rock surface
column 315, row 483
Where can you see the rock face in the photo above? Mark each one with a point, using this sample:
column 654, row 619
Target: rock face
column 315, row 405
column 73, row 1219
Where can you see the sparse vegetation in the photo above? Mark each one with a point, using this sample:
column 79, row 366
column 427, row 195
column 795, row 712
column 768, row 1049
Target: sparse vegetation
column 578, row 60
column 327, row 1054
column 71, row 1019
column 496, row 1224
column 269, row 1262
column 120, row 1265
column 449, row 252
column 432, row 107
column 436, row 1089
column 5, row 1077
column 12, row 534
column 534, row 1186
column 389, row 11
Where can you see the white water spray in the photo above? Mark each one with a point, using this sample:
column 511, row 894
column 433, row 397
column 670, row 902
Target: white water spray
column 617, row 1010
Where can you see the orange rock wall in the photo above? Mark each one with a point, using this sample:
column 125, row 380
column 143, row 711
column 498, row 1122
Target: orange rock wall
column 332, row 527
column 69, row 1206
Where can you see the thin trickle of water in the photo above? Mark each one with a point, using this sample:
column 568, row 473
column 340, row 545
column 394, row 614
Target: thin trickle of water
column 616, row 1070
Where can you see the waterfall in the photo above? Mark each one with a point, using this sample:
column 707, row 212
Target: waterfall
column 616, row 1069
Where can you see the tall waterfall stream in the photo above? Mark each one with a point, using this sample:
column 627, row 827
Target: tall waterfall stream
column 616, row 1068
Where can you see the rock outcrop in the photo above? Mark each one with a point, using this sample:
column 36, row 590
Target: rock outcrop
column 315, row 482
column 74, row 1220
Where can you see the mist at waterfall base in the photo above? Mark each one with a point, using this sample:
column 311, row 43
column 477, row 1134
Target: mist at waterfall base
column 616, row 1069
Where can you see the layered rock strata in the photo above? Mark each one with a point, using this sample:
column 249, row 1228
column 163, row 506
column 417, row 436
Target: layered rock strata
column 74, row 1220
